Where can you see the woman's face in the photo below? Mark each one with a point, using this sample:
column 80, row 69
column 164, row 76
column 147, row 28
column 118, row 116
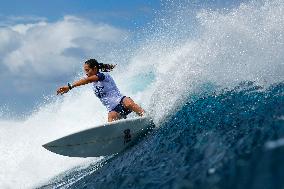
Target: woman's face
column 89, row 71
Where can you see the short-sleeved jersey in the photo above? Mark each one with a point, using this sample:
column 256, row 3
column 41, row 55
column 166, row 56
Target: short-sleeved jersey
column 106, row 90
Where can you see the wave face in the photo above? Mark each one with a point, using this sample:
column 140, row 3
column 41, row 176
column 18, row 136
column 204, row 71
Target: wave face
column 233, row 139
column 212, row 80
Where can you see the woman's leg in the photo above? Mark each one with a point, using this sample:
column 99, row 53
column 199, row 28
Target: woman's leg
column 130, row 104
column 113, row 116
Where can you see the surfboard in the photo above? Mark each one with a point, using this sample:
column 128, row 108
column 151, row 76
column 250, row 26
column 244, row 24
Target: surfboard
column 103, row 140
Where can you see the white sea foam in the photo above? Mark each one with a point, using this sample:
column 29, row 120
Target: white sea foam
column 243, row 44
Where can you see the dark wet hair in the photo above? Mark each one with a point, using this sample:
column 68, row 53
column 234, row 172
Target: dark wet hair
column 92, row 63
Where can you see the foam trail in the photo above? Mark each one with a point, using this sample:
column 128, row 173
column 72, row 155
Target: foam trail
column 24, row 162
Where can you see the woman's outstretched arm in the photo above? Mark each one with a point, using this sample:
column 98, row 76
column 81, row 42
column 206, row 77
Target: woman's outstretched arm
column 84, row 81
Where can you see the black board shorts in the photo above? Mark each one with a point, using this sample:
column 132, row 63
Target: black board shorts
column 123, row 112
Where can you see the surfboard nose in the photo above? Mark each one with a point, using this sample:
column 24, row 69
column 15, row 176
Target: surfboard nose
column 46, row 146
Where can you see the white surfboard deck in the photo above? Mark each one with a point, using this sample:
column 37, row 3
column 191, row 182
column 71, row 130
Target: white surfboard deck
column 102, row 140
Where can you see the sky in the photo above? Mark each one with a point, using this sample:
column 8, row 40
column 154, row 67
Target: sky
column 44, row 43
column 121, row 13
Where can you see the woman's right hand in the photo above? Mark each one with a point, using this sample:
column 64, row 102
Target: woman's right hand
column 62, row 90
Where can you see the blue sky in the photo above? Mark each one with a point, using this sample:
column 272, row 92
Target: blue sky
column 123, row 13
column 43, row 43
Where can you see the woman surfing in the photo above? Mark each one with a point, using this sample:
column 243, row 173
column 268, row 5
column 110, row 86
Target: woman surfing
column 105, row 89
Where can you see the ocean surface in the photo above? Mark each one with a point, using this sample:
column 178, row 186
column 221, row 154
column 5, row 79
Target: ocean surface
column 233, row 139
column 212, row 79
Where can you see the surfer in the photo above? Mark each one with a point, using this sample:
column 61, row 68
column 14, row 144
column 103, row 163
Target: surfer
column 105, row 89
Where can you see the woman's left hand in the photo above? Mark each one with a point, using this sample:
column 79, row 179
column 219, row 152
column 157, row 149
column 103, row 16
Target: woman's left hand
column 62, row 90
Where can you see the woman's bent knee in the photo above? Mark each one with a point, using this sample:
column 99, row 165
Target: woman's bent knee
column 128, row 102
